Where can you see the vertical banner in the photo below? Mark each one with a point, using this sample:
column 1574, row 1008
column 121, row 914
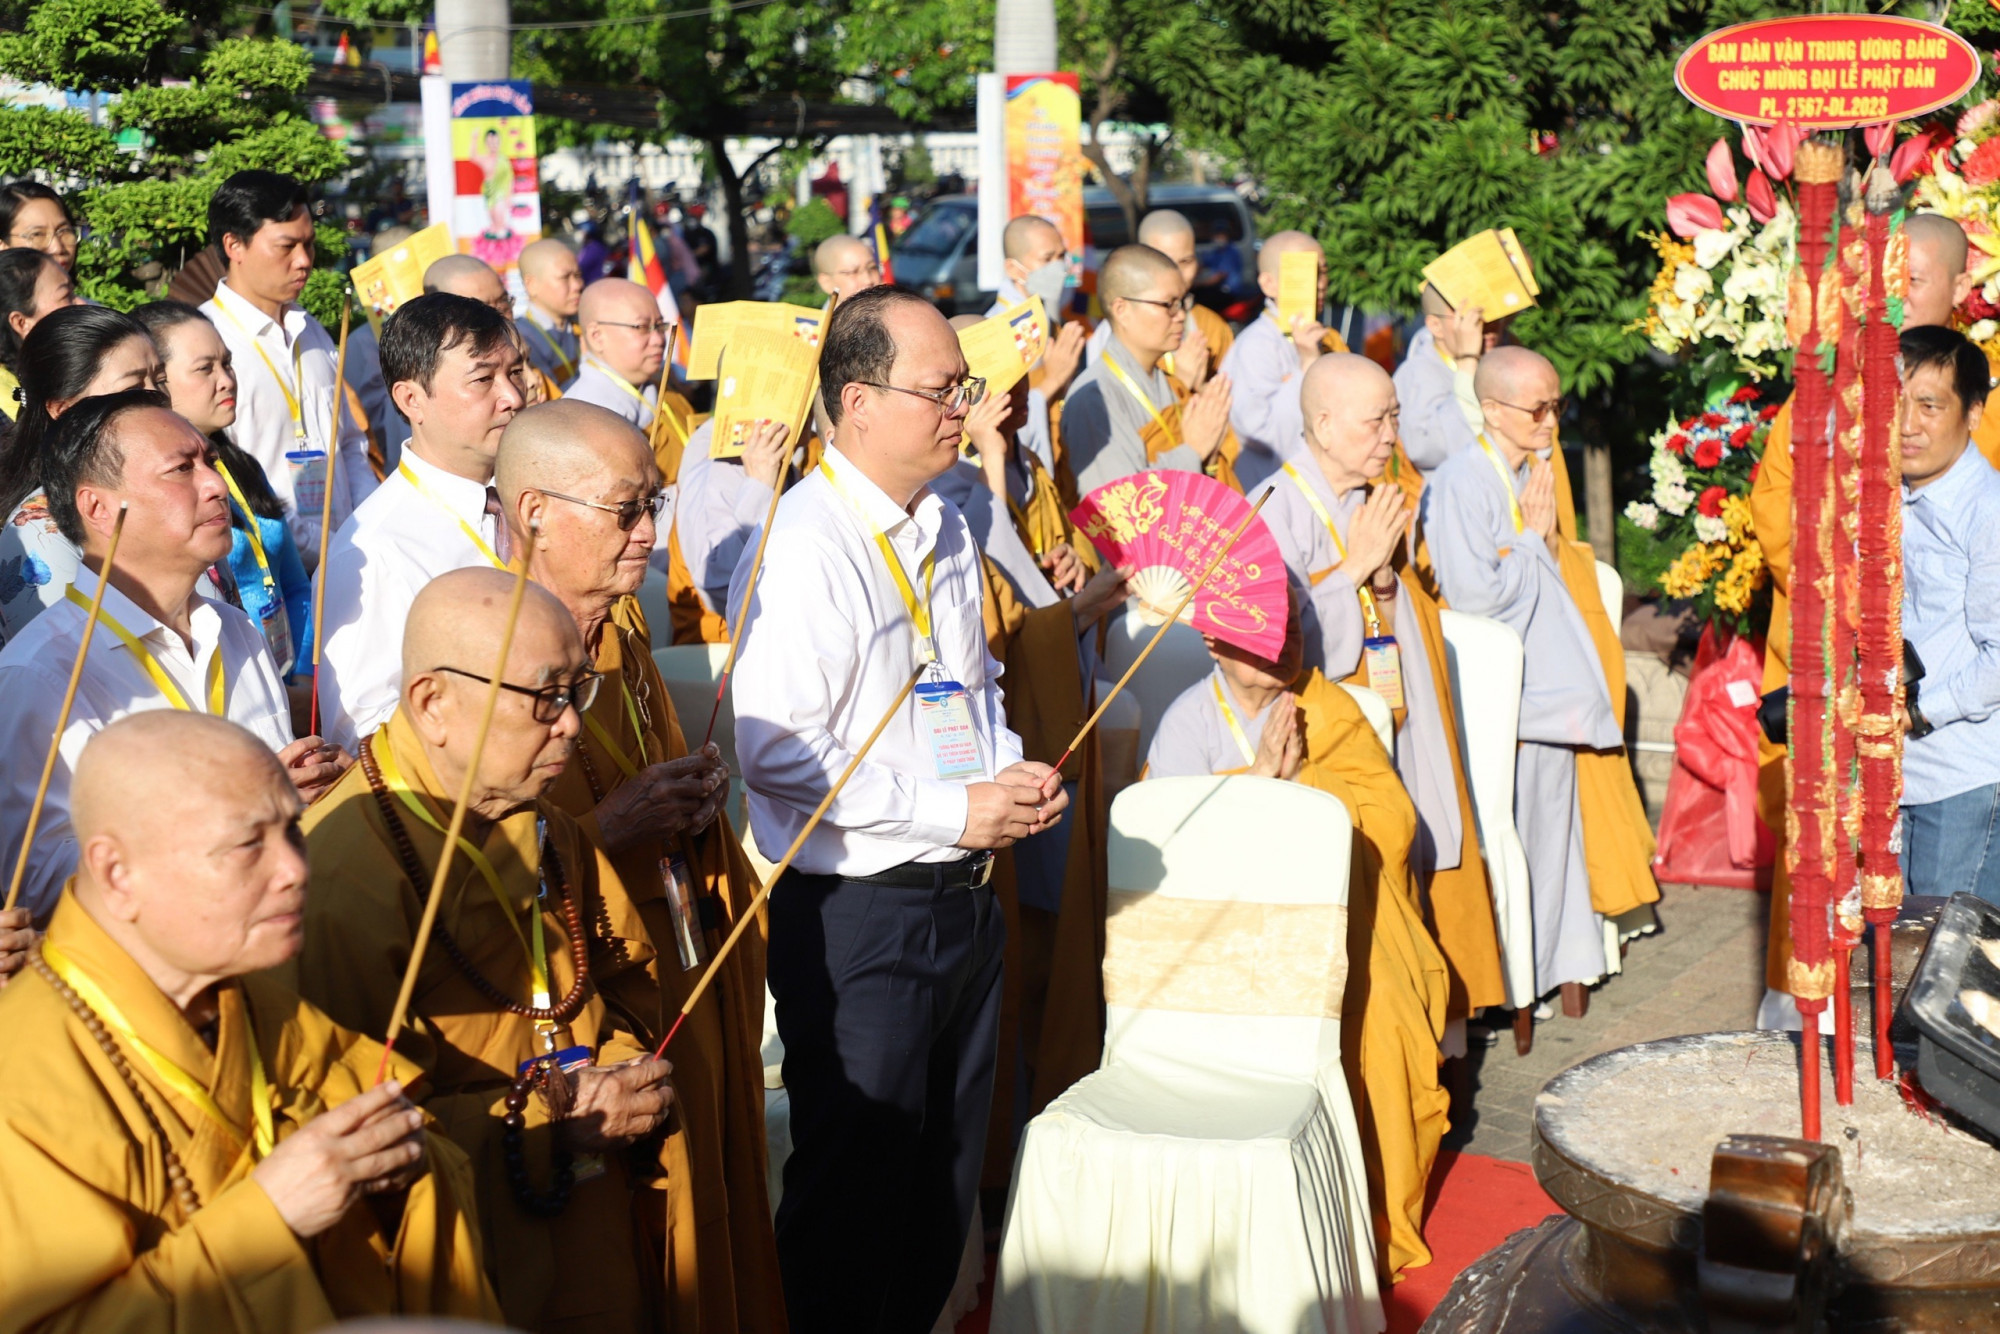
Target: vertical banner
column 496, row 206
column 1044, row 153
column 991, row 91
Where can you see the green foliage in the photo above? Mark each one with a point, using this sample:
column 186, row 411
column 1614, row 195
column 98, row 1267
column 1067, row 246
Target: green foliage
column 233, row 104
column 812, row 223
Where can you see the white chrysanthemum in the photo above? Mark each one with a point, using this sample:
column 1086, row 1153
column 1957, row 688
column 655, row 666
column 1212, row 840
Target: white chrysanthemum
column 1692, row 284
column 1666, row 468
column 1710, row 530
column 1672, row 497
column 1983, row 330
column 1645, row 515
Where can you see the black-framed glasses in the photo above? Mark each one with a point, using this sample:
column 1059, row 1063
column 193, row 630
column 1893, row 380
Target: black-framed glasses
column 966, row 393
column 628, row 511
column 660, row 327
column 550, row 700
column 1185, row 304
column 1540, row 410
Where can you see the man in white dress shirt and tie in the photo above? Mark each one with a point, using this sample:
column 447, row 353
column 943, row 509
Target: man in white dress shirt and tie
column 449, row 362
column 158, row 643
column 624, row 342
column 284, row 358
column 885, row 934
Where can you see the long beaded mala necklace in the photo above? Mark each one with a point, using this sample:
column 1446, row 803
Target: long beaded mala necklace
column 177, row 1176
column 541, row 1074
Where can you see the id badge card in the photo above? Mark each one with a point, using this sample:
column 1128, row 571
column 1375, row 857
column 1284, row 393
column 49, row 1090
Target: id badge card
column 1385, row 668
column 308, row 467
column 278, row 633
column 689, row 942
column 568, row 1059
column 944, row 717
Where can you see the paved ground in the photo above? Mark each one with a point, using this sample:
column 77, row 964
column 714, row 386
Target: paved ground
column 1703, row 972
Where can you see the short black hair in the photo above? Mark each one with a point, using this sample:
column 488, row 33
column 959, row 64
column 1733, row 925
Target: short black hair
column 82, row 448
column 20, row 274
column 424, row 328
column 1933, row 345
column 59, row 358
column 248, row 200
column 858, row 348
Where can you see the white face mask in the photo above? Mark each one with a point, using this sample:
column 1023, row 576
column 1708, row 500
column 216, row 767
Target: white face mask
column 1048, row 282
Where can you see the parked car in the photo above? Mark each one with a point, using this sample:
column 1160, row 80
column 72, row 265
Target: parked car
column 939, row 254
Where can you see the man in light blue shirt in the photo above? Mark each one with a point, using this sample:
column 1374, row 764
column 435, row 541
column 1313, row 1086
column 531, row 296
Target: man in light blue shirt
column 1951, row 617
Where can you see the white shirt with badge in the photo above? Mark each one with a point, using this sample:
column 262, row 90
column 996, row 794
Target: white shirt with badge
column 228, row 660
column 831, row 640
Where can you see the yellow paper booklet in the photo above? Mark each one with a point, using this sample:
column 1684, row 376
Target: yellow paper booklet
column 766, row 375
column 1478, row 271
column 386, row 280
column 1298, row 288
column 1000, row 350
column 1512, row 245
column 715, row 325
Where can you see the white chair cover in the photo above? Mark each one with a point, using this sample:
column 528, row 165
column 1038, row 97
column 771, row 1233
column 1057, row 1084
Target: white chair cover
column 1209, row 1176
column 1380, row 716
column 1485, row 659
column 1179, row 662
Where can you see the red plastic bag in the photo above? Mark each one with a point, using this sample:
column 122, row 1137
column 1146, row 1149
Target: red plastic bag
column 1709, row 831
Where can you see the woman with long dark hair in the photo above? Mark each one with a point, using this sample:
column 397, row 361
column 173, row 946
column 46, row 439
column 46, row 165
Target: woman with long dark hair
column 31, row 286
column 270, row 578
column 72, row 354
column 35, row 217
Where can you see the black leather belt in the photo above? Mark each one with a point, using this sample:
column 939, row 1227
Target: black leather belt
column 966, row 873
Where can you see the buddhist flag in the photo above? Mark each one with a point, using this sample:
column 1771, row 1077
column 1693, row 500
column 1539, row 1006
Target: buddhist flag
column 880, row 241
column 644, row 266
column 433, row 59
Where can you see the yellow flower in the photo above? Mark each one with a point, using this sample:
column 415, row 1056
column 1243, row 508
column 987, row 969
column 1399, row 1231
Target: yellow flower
column 1736, row 513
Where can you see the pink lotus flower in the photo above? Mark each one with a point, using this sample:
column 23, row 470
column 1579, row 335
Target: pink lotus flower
column 1692, row 213
column 1760, row 198
column 1779, row 142
column 1722, row 172
column 1879, row 138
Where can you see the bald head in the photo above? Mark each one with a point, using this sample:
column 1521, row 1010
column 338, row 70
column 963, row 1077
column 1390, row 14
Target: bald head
column 620, row 326
column 1348, row 407
column 1509, row 371
column 1030, row 239
column 1940, row 235
column 1136, row 271
column 537, row 257
column 1938, row 278
column 458, row 618
column 1163, row 226
column 845, row 265
column 550, row 275
column 616, row 299
column 1434, row 304
column 463, row 275
column 1282, row 244
column 554, row 445
column 1339, row 379
column 143, row 772
column 1514, row 385
column 580, row 552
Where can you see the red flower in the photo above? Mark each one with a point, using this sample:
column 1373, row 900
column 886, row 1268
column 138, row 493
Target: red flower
column 1741, row 436
column 1760, row 198
column 1711, row 502
column 1678, row 444
column 1722, row 172
column 1983, row 167
column 1755, row 468
column 1713, row 419
column 1977, row 307
column 1708, row 453
column 1691, row 213
column 1747, row 394
column 1768, row 411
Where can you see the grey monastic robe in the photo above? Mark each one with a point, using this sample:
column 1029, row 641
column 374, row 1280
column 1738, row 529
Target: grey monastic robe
column 1264, row 382
column 1103, row 422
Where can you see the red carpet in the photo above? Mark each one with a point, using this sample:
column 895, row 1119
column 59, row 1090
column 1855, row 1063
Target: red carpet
column 1476, row 1203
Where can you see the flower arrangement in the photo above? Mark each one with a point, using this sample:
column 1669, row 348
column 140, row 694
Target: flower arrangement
column 1961, row 180
column 1696, row 519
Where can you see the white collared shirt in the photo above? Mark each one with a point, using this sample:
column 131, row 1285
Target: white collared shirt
column 597, row 383
column 34, row 671
column 828, row 645
column 264, row 427
column 380, row 559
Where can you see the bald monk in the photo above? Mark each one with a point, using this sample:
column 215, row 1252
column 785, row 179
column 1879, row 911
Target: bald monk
column 554, row 285
column 1939, row 281
column 1209, row 336
column 1345, row 542
column 1280, row 720
column 1125, row 413
column 469, row 276
column 571, row 1196
column 656, row 811
column 1037, row 264
column 1441, row 414
column 1490, row 515
column 624, row 343
column 844, row 265
column 1267, row 363
column 187, row 1145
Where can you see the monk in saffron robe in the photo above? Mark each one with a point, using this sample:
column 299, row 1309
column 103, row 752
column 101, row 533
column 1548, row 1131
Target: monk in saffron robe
column 579, row 486
column 1344, row 542
column 1275, row 720
column 187, row 1145
column 540, row 1074
column 1267, row 365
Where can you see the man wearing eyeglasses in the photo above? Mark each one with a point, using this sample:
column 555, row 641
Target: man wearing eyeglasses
column 450, row 365
column 583, row 493
column 624, row 343
column 844, row 265
column 885, row 935
column 513, row 1001
column 1490, row 516
column 1125, row 413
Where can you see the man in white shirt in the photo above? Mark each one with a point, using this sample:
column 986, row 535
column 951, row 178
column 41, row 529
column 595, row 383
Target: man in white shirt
column 158, row 644
column 885, row 934
column 554, row 285
column 450, row 364
column 284, row 357
column 624, row 341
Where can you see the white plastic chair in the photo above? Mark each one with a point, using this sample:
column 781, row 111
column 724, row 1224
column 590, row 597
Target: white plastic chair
column 1485, row 659
column 1179, row 662
column 1209, row 1175
column 1380, row 716
column 1611, row 591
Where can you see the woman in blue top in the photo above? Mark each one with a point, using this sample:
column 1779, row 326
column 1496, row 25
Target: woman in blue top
column 270, row 578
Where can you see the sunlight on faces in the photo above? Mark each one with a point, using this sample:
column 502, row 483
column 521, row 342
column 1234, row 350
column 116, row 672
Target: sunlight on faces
column 53, row 291
column 275, row 264
column 1031, row 242
column 1937, row 424
column 1172, row 236
column 621, row 328
column 1511, row 383
column 200, row 376
column 457, row 621
column 1145, row 307
column 179, row 516
column 472, row 398
column 1936, row 284
column 593, row 455
column 39, row 224
column 550, row 274
column 845, row 265
column 911, row 438
column 1351, row 416
column 189, row 845
column 130, row 363
column 1249, row 674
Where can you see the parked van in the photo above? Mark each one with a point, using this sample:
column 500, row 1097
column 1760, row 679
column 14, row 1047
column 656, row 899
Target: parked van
column 939, row 254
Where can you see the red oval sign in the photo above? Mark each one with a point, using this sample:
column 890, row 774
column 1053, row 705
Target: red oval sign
column 1827, row 71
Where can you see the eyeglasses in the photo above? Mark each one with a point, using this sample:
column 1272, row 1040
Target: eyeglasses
column 870, row 269
column 628, row 511
column 1186, row 302
column 551, row 701
column 42, row 235
column 951, row 398
column 1540, row 410
column 659, row 327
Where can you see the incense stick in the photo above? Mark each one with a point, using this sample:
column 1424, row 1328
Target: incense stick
column 326, row 503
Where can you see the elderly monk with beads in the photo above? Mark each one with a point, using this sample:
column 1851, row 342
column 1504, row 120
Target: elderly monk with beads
column 1268, row 363
column 1283, row 720
column 1493, row 517
column 1939, row 281
column 1341, row 526
column 587, row 482
column 540, row 1074
column 1125, row 413
column 187, row 1145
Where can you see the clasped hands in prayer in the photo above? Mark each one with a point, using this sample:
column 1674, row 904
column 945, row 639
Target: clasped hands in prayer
column 1281, row 749
column 664, row 801
column 1538, row 504
column 1023, row 799
column 1373, row 534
